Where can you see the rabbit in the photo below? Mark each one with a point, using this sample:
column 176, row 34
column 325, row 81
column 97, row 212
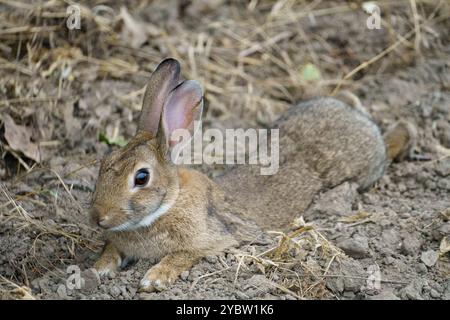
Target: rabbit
column 151, row 208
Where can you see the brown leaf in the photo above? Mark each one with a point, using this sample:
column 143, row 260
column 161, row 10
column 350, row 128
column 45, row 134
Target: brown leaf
column 72, row 124
column 19, row 139
column 444, row 246
column 135, row 32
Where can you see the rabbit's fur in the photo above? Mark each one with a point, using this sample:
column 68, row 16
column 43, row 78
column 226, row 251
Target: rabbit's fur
column 181, row 215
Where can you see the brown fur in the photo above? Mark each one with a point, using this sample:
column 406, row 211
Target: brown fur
column 323, row 143
column 400, row 140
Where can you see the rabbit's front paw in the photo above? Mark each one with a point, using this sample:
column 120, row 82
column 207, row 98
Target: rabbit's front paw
column 157, row 278
column 109, row 261
column 167, row 271
column 106, row 269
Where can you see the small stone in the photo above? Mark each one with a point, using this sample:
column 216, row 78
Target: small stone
column 429, row 258
column 44, row 286
column 434, row 294
column 337, row 201
column 62, row 292
column 389, row 260
column 422, row 176
column 391, row 238
column 115, row 291
column 401, row 266
column 349, row 295
column 410, row 246
column 184, row 275
column 123, row 291
column 176, row 292
column 443, row 167
column 444, row 184
column 257, row 286
column 413, row 290
column 230, row 258
column 430, row 185
column 211, row 259
column 444, row 137
column 241, row 295
column 384, row 295
column 70, row 292
column 132, row 291
column 443, row 230
column 194, row 274
column 335, row 284
column 369, row 198
column 35, row 285
column 357, row 248
column 385, row 223
column 91, row 280
column 421, row 268
column 446, row 295
column 104, row 296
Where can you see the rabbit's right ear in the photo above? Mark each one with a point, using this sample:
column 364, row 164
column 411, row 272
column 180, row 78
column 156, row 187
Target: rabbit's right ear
column 162, row 81
column 182, row 111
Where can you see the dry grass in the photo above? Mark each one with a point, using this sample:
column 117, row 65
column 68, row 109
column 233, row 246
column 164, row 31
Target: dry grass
column 301, row 249
column 249, row 60
column 10, row 290
column 250, row 57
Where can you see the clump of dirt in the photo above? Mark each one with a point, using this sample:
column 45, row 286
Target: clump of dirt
column 67, row 97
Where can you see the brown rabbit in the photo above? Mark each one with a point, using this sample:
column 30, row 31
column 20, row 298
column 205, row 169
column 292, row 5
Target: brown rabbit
column 152, row 208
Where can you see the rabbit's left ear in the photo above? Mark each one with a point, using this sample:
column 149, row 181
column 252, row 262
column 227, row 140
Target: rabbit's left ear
column 162, row 81
column 182, row 111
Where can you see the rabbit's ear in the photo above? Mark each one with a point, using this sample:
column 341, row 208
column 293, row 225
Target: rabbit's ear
column 162, row 81
column 182, row 111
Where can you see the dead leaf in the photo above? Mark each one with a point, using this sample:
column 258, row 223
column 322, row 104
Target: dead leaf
column 72, row 124
column 445, row 214
column 19, row 139
column 443, row 150
column 444, row 247
column 356, row 217
column 135, row 32
column 22, row 293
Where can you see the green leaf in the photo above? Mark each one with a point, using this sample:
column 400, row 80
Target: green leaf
column 118, row 141
column 310, row 72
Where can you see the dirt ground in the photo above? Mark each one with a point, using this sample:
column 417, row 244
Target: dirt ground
column 68, row 97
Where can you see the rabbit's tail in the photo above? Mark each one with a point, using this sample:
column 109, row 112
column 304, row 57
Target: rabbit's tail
column 400, row 140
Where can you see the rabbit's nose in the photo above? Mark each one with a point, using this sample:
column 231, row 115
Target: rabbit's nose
column 102, row 222
column 98, row 217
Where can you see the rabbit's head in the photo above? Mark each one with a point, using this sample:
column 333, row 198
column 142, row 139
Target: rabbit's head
column 139, row 182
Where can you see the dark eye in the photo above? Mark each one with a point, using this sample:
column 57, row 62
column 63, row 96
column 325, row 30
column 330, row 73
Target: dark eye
column 141, row 178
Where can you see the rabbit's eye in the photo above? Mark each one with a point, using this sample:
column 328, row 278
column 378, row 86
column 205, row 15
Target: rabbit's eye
column 141, row 178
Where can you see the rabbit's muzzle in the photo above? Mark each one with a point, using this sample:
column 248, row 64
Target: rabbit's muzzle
column 100, row 217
